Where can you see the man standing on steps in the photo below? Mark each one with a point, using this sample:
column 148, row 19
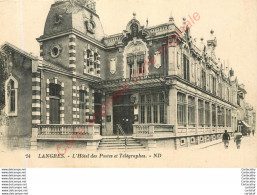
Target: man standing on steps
column 225, row 139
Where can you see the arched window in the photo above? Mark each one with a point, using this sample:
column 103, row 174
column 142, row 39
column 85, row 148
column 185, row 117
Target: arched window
column 11, row 95
column 135, row 56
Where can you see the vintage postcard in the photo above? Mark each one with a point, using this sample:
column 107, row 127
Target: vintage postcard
column 128, row 83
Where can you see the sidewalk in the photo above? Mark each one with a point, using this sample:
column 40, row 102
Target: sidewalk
column 203, row 145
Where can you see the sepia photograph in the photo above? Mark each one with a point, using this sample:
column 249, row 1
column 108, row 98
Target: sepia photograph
column 128, row 83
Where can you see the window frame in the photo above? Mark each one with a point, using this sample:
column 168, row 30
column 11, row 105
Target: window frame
column 191, row 110
column 7, row 98
column 181, row 107
column 201, row 120
column 214, row 116
column 152, row 108
column 207, row 113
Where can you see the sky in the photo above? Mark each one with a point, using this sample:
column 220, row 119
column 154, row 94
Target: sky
column 234, row 23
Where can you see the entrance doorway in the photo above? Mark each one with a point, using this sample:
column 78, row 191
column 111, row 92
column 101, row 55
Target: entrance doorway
column 123, row 114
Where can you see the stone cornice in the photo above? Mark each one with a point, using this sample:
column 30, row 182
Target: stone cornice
column 174, row 77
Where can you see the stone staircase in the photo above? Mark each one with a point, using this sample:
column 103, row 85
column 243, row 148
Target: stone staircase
column 115, row 143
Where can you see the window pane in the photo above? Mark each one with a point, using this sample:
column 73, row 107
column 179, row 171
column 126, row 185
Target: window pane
column 181, row 112
column 213, row 115
column 155, row 113
column 142, row 108
column 12, row 101
column 161, row 113
column 200, row 112
column 81, row 96
column 149, row 114
column 54, row 90
column 12, row 84
column 149, row 111
column 207, row 113
column 191, row 110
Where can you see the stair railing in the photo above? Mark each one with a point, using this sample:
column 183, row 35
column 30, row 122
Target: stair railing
column 123, row 133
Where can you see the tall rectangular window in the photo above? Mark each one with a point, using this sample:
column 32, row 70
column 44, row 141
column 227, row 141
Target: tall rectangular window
column 223, row 116
column 12, row 100
column 155, row 108
column 181, row 112
column 207, row 113
column 130, row 61
column 186, row 68
column 98, row 107
column 149, row 109
column 140, row 62
column 220, row 91
column 161, row 102
column 213, row 85
column 228, row 118
column 191, row 110
column 213, row 115
column 152, row 108
column 221, row 119
column 200, row 112
column 54, row 93
column 142, row 108
column 203, row 79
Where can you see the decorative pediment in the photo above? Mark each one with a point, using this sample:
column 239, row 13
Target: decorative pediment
column 134, row 31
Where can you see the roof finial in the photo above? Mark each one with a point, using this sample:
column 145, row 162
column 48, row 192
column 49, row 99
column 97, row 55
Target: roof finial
column 134, row 15
column 171, row 19
column 147, row 21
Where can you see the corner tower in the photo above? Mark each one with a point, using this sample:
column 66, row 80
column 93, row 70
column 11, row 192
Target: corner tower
column 70, row 26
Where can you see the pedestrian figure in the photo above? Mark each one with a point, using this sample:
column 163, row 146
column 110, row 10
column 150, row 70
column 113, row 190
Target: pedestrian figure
column 249, row 132
column 225, row 139
column 253, row 132
column 238, row 138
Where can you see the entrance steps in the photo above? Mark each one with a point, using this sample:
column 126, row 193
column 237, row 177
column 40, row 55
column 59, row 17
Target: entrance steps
column 115, row 143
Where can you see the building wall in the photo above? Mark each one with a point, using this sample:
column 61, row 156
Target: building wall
column 61, row 60
column 20, row 125
column 67, row 96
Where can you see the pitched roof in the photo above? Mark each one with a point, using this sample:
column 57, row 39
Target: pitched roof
column 18, row 50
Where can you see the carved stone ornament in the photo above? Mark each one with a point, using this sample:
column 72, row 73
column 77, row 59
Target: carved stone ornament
column 58, row 19
column 157, row 57
column 113, row 65
column 90, row 24
column 75, row 6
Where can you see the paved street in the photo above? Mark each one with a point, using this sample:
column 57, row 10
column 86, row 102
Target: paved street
column 213, row 154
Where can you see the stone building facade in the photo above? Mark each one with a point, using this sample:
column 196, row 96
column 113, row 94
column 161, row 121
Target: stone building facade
column 158, row 83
